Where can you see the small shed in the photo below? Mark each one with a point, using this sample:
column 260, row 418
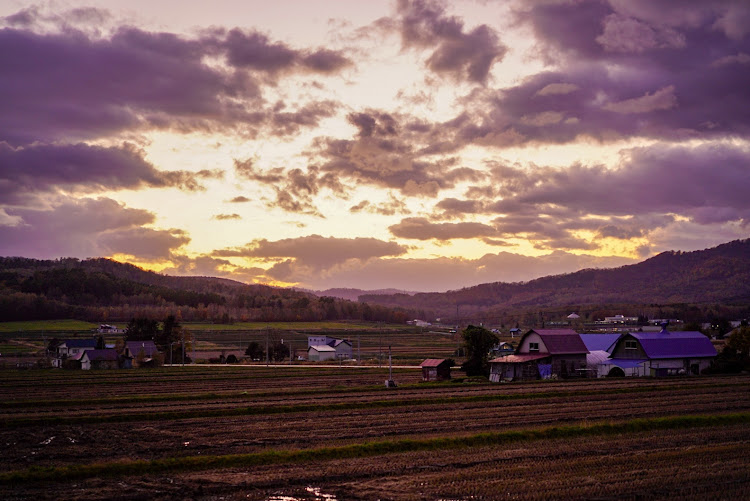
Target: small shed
column 436, row 369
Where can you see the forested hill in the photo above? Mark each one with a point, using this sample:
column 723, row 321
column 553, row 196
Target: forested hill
column 106, row 290
column 717, row 275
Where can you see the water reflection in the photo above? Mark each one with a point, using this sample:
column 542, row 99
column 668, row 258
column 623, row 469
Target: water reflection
column 315, row 492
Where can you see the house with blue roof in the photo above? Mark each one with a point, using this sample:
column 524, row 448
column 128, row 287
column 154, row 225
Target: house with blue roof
column 659, row 354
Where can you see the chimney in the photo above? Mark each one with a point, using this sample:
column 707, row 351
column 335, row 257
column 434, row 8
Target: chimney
column 664, row 328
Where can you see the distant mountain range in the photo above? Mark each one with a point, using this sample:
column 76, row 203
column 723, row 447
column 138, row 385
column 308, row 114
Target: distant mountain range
column 102, row 289
column 718, row 275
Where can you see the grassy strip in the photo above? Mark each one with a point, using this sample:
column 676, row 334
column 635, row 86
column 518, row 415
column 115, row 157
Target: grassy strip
column 339, row 406
column 365, row 449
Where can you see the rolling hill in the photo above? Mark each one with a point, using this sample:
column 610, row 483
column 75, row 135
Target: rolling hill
column 717, row 275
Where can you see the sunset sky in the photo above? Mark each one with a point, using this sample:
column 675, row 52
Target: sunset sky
column 420, row 145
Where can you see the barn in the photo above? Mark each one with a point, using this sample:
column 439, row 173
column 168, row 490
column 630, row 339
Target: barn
column 659, row 354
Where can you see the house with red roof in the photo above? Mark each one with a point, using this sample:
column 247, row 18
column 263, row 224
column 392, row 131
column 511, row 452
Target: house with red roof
column 542, row 354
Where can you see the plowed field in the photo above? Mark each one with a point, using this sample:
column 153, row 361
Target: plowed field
column 337, row 433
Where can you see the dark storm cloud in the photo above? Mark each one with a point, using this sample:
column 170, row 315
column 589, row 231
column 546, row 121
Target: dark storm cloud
column 87, row 228
column 461, row 54
column 102, row 86
column 656, row 179
column 83, row 168
column 624, row 70
column 72, row 86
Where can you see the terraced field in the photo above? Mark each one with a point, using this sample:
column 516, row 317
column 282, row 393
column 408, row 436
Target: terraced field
column 337, row 433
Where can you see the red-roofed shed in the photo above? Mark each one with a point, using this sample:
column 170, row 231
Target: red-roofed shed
column 436, row 369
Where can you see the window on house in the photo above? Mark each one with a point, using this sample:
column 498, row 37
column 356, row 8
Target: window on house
column 533, row 346
column 631, row 345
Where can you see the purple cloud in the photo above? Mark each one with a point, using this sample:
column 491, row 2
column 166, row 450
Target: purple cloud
column 85, row 169
column 462, row 55
column 421, row 229
column 87, row 228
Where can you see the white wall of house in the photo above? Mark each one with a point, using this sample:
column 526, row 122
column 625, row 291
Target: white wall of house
column 528, row 340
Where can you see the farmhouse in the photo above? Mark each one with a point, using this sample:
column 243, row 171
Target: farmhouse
column 542, row 353
column 72, row 348
column 436, row 369
column 100, row 359
column 342, row 348
column 661, row 353
column 139, row 353
column 502, row 349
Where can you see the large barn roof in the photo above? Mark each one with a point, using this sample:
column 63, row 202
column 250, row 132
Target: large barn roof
column 665, row 344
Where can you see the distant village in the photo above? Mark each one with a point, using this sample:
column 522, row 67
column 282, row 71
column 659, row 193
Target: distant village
column 621, row 349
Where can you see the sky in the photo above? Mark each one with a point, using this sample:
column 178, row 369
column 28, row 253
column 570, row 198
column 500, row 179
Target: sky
column 411, row 144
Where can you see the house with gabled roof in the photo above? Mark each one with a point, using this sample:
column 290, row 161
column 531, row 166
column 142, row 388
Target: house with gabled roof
column 661, row 353
column 139, row 353
column 72, row 348
column 543, row 353
column 341, row 347
column 107, row 358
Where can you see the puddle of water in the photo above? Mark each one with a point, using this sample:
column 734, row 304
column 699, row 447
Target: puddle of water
column 314, row 491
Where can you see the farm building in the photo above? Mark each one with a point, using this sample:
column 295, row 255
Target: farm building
column 342, row 347
column 72, row 348
column 320, row 353
column 139, row 353
column 100, row 359
column 436, row 369
column 661, row 353
column 543, row 353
